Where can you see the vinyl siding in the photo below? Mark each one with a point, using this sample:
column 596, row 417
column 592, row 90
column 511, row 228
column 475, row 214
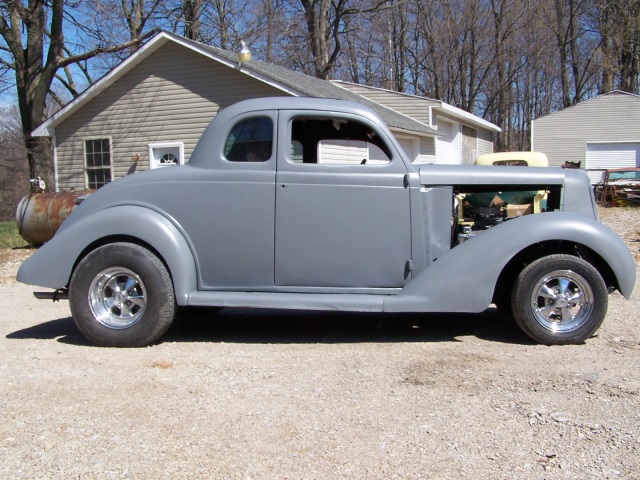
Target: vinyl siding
column 343, row 152
column 171, row 96
column 428, row 150
column 418, row 108
column 563, row 135
column 412, row 106
column 485, row 141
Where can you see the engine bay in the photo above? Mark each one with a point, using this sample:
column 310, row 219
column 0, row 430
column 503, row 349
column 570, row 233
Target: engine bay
column 479, row 208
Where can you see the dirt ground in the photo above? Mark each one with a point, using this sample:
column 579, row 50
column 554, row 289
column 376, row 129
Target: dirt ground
column 308, row 395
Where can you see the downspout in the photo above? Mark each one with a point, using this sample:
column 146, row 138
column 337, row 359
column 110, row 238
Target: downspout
column 55, row 160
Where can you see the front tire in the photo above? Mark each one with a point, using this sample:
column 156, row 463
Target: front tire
column 121, row 295
column 559, row 300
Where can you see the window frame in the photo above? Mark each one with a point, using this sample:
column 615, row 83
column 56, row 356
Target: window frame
column 244, row 118
column 87, row 168
column 154, row 163
column 392, row 155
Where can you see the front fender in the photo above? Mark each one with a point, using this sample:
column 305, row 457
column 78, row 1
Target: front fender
column 463, row 280
column 51, row 266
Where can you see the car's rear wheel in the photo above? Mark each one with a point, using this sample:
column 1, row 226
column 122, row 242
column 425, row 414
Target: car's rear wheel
column 121, row 295
column 559, row 300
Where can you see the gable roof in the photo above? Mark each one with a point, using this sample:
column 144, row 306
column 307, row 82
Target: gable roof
column 288, row 81
column 437, row 105
column 598, row 98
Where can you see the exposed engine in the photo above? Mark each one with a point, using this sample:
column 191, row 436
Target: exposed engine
column 479, row 211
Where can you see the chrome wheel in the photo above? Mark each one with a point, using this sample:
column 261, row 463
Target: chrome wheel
column 121, row 295
column 117, row 298
column 562, row 301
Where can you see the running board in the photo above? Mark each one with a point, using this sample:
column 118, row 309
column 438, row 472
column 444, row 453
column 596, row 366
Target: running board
column 294, row 301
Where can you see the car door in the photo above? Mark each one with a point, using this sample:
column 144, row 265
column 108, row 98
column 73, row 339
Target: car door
column 342, row 208
column 230, row 221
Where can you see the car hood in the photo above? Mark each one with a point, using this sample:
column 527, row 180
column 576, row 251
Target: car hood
column 577, row 194
column 437, row 175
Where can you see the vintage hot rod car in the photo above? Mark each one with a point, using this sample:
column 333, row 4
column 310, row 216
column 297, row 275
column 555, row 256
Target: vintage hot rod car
column 304, row 203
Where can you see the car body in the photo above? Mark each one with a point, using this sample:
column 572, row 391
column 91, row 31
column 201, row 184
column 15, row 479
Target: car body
column 619, row 187
column 308, row 203
column 514, row 159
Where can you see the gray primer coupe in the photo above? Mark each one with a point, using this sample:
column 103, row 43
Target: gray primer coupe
column 307, row 203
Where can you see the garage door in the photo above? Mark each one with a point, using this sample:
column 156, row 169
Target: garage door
column 611, row 155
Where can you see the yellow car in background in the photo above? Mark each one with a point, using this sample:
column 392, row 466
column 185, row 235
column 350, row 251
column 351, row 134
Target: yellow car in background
column 514, row 159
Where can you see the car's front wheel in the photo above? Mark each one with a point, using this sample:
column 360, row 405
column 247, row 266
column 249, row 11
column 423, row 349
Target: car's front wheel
column 559, row 300
column 121, row 295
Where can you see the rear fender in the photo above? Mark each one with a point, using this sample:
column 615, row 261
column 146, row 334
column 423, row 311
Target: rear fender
column 52, row 265
column 463, row 280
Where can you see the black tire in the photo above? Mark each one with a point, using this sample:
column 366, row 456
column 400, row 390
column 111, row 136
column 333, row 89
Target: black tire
column 559, row 300
column 121, row 295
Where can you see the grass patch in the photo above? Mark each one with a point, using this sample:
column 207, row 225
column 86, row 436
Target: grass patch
column 9, row 236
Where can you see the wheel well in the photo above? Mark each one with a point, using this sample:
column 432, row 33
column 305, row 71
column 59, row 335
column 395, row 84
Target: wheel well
column 116, row 239
column 510, row 272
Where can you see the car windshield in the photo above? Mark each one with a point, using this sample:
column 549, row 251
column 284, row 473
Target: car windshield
column 633, row 175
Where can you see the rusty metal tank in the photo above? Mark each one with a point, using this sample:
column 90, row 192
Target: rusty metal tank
column 39, row 215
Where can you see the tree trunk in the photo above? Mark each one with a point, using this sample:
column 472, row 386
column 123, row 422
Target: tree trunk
column 41, row 168
column 191, row 10
column 24, row 29
column 562, row 52
column 316, row 14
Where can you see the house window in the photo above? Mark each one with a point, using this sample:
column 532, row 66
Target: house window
column 97, row 162
column 166, row 154
column 168, row 159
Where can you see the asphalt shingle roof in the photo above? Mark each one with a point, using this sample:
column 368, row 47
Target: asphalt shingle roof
column 310, row 86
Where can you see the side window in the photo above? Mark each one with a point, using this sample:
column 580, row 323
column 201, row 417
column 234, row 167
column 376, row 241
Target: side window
column 250, row 140
column 336, row 141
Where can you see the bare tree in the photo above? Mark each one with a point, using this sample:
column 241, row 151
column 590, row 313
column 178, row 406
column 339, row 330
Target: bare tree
column 13, row 171
column 325, row 21
column 34, row 39
column 137, row 13
column 191, row 13
column 618, row 23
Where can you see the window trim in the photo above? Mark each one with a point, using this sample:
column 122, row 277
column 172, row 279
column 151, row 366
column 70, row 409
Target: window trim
column 350, row 117
column 84, row 158
column 153, row 163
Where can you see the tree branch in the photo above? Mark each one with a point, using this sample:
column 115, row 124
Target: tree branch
column 63, row 62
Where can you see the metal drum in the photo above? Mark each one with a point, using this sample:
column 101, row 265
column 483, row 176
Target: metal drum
column 39, row 215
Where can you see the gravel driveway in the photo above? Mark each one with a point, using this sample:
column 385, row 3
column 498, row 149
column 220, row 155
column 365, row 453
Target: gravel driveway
column 308, row 395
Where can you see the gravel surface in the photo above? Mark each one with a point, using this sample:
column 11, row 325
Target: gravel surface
column 308, row 395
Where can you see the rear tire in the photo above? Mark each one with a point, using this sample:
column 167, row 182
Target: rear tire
column 121, row 295
column 559, row 300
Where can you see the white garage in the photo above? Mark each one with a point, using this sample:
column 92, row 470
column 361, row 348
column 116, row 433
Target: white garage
column 603, row 132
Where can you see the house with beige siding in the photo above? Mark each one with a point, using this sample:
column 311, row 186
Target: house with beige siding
column 150, row 111
column 463, row 136
column 603, row 132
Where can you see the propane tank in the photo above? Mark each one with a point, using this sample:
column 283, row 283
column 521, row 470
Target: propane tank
column 39, row 215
